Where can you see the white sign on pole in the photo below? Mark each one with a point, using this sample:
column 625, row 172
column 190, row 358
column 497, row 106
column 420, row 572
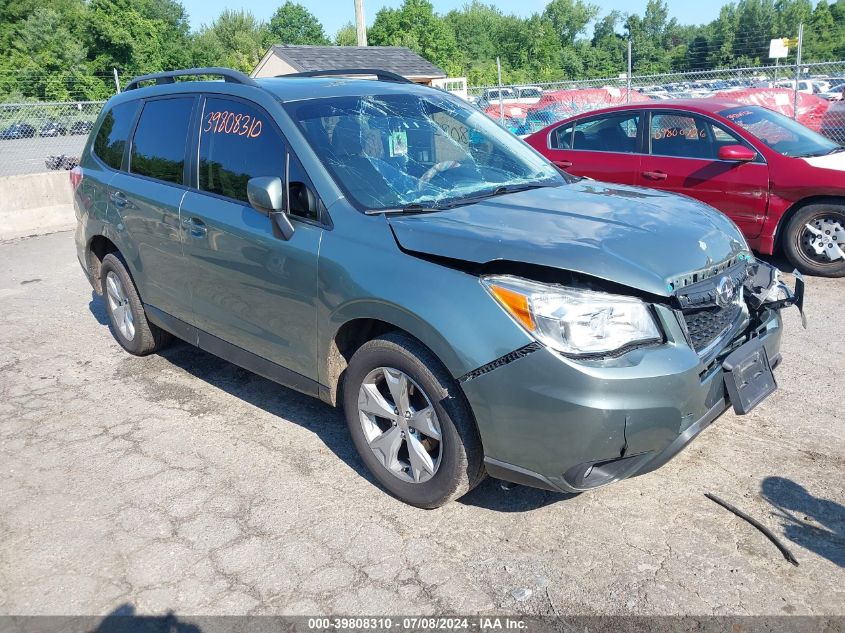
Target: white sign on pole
column 778, row 49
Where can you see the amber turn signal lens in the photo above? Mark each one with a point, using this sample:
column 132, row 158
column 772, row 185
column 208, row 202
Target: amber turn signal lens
column 516, row 304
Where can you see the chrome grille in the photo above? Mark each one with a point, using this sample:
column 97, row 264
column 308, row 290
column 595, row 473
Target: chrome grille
column 708, row 325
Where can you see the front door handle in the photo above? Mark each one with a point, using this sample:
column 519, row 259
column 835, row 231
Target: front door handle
column 195, row 227
column 655, row 175
column 563, row 164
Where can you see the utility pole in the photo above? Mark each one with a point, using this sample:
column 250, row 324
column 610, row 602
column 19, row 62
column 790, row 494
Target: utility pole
column 360, row 23
column 630, row 68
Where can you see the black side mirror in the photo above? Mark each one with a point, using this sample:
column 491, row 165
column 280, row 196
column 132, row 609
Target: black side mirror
column 266, row 194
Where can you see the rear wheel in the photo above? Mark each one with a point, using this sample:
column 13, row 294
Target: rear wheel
column 410, row 423
column 127, row 318
column 814, row 241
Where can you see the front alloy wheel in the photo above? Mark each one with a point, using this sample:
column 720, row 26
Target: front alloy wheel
column 410, row 422
column 400, row 425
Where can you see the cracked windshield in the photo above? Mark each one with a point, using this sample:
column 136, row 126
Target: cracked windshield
column 405, row 152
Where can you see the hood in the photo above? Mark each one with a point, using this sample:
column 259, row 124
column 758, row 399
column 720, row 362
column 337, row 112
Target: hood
column 835, row 162
column 637, row 237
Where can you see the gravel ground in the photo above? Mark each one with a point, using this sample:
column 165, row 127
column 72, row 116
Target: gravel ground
column 181, row 482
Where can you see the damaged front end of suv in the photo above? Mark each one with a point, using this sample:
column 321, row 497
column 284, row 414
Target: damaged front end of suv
column 648, row 375
column 628, row 362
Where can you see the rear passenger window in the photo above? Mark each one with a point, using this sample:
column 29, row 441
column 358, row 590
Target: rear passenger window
column 158, row 147
column 113, row 133
column 616, row 133
column 561, row 137
column 237, row 142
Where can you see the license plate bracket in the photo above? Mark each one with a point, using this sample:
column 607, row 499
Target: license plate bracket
column 748, row 376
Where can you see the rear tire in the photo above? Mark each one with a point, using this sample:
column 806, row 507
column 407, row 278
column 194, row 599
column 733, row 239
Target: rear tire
column 127, row 319
column 797, row 239
column 456, row 458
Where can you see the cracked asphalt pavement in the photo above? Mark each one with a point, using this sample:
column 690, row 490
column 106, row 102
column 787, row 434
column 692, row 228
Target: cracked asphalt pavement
column 182, row 483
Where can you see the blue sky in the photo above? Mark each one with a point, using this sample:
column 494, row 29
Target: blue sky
column 335, row 13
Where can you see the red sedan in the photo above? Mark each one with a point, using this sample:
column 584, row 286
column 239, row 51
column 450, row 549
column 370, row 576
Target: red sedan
column 783, row 184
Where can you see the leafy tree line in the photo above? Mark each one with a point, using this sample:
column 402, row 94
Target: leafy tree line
column 66, row 49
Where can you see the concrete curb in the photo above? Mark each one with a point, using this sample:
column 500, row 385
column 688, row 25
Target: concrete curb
column 34, row 204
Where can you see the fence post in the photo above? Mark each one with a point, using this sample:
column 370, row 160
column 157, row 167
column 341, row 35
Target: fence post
column 116, row 81
column 630, row 67
column 501, row 100
column 797, row 70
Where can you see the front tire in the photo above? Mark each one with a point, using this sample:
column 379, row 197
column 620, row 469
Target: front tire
column 814, row 240
column 127, row 319
column 410, row 422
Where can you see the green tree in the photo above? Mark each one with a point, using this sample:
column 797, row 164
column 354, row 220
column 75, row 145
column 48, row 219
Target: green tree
column 789, row 14
column 607, row 54
column 570, row 18
column 136, row 37
column 754, row 31
column 416, row 26
column 721, row 53
column 49, row 60
column 347, row 35
column 235, row 39
column 648, row 35
column 824, row 38
column 294, row 24
column 475, row 27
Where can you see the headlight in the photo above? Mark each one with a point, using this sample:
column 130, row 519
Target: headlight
column 571, row 321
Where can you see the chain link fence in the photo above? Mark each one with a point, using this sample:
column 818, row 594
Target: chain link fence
column 815, row 99
column 37, row 137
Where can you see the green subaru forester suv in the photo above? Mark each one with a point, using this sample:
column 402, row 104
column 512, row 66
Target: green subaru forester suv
column 387, row 248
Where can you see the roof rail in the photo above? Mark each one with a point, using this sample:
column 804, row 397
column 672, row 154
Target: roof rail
column 381, row 75
column 167, row 77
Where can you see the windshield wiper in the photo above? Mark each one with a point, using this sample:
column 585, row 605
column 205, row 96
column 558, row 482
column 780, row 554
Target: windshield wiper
column 408, row 209
column 835, row 150
column 416, row 208
column 498, row 191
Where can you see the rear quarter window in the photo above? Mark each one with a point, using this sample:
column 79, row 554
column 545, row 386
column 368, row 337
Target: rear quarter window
column 161, row 138
column 114, row 132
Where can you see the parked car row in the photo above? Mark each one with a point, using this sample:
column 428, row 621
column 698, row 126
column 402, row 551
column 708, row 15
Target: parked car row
column 50, row 128
column 829, row 88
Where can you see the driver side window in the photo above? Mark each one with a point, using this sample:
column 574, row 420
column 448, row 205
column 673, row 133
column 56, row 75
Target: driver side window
column 237, row 142
column 679, row 135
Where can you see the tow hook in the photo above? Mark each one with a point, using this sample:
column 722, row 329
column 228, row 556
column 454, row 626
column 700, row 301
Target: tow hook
column 765, row 288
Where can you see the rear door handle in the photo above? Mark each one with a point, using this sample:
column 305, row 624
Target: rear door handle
column 195, row 227
column 118, row 198
column 563, row 164
column 655, row 175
